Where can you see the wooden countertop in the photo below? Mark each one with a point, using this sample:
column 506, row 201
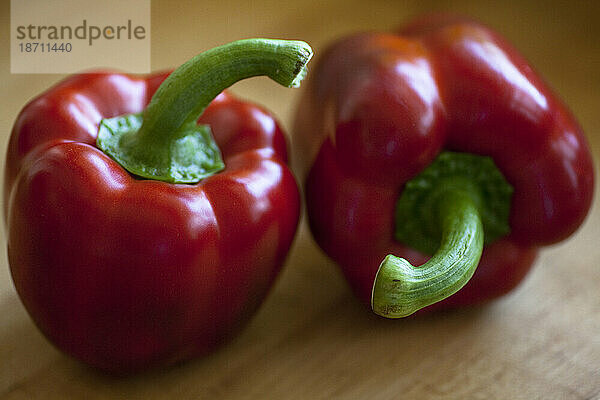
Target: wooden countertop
column 312, row 339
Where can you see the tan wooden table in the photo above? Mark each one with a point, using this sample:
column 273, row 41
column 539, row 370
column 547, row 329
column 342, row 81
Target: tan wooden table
column 312, row 339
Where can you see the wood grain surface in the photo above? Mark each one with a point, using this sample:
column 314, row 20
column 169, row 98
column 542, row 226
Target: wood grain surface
column 312, row 339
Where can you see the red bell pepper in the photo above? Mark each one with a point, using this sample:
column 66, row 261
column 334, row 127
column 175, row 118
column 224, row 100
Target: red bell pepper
column 130, row 270
column 439, row 141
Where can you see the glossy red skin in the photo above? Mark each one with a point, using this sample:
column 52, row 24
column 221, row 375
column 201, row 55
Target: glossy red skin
column 128, row 274
column 380, row 107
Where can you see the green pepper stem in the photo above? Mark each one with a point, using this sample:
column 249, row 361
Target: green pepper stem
column 184, row 95
column 165, row 142
column 401, row 289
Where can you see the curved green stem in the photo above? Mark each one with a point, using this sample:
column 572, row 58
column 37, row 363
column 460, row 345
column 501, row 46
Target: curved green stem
column 443, row 211
column 401, row 289
column 164, row 142
column 185, row 94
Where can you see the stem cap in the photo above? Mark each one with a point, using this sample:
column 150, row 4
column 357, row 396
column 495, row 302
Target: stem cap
column 188, row 159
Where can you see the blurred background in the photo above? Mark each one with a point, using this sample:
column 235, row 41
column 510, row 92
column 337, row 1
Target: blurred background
column 312, row 339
